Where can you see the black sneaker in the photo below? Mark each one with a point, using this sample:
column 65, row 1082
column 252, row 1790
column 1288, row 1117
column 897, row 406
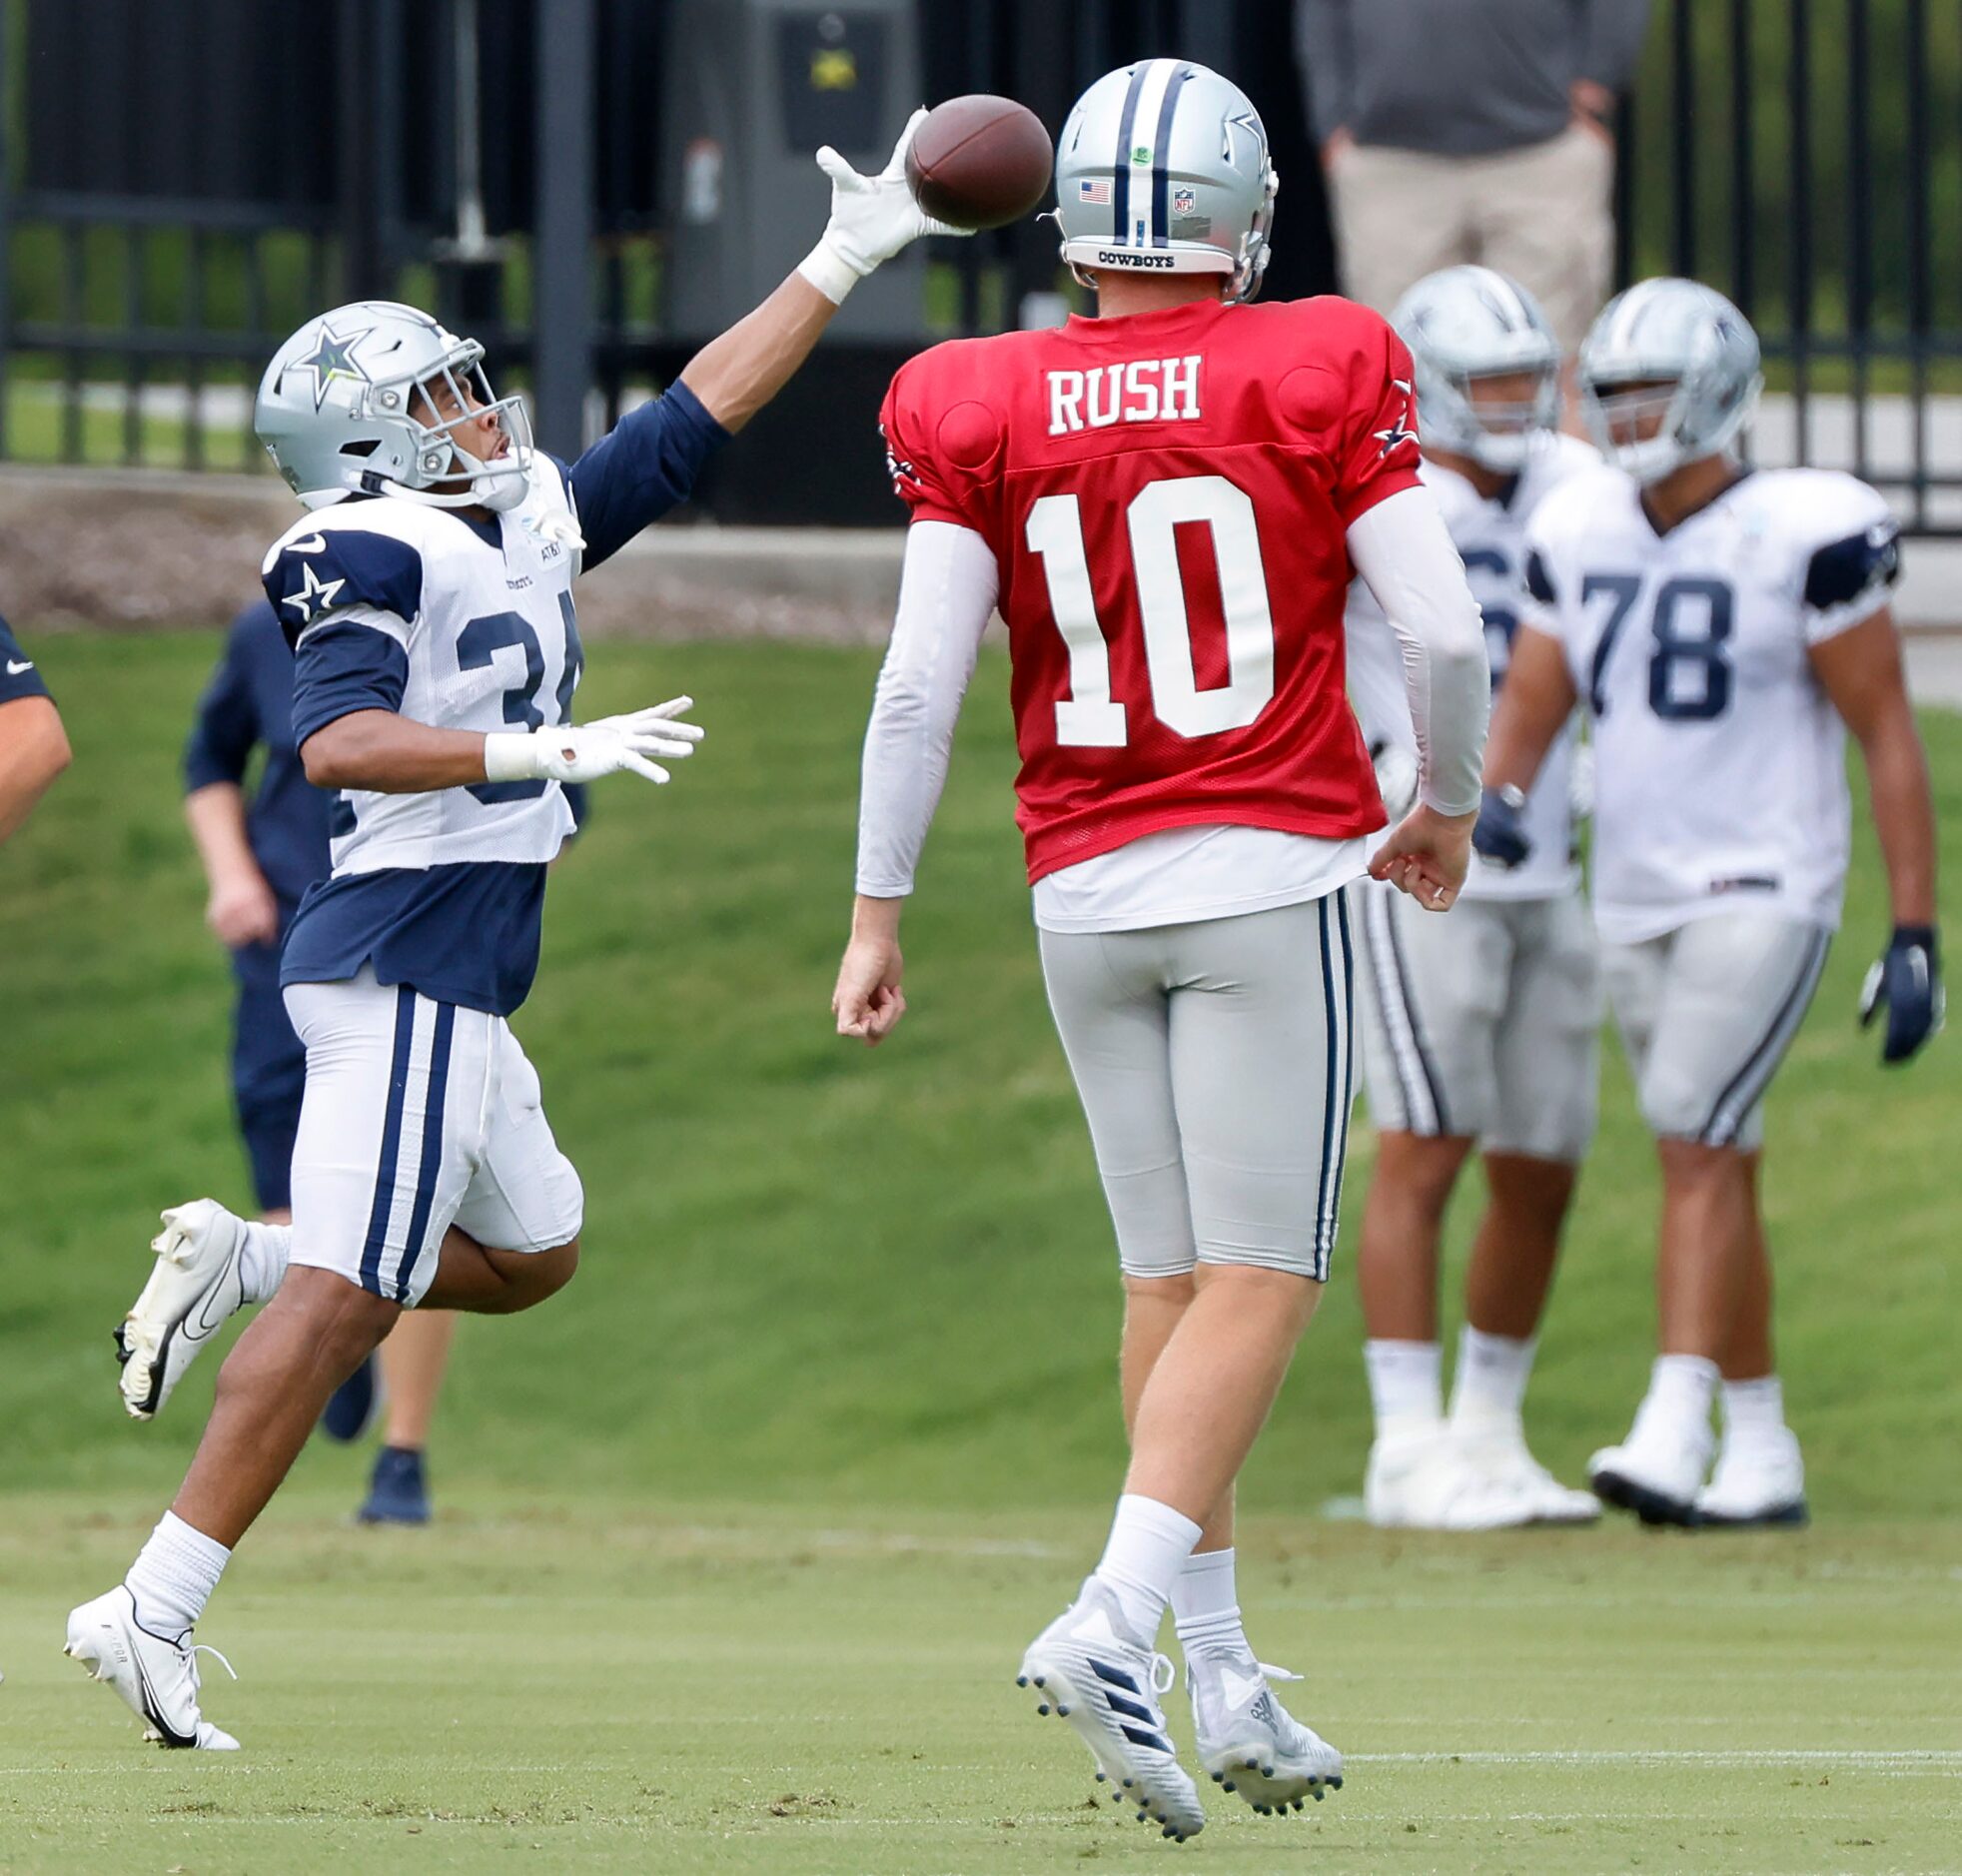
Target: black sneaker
column 351, row 1408
column 397, row 1492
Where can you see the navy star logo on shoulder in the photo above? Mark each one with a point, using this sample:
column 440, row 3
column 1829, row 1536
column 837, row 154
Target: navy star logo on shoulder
column 312, row 595
column 332, row 358
column 1399, row 431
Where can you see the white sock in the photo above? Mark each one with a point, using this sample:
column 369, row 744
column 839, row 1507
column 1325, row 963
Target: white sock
column 1405, row 1385
column 1681, row 1388
column 1148, row 1547
column 173, row 1576
column 262, row 1258
column 1205, row 1605
column 1490, row 1382
column 1753, row 1409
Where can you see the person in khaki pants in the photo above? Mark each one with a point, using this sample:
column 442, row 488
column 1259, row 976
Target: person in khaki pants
column 1472, row 133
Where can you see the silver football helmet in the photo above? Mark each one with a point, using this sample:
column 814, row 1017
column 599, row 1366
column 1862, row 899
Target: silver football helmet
column 350, row 406
column 1698, row 354
column 1463, row 322
column 1163, row 168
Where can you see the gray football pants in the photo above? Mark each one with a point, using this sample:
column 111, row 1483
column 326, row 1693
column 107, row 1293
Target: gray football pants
column 1215, row 1067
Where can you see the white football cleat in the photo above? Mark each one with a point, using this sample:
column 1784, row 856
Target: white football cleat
column 157, row 1678
column 1495, row 1448
column 1418, row 1481
column 1105, row 1681
column 1761, row 1481
column 195, row 1286
column 1656, row 1473
column 1249, row 1741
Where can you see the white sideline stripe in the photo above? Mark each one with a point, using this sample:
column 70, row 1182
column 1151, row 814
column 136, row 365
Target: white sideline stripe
column 1667, row 1755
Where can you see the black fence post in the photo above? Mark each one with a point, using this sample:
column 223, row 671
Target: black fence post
column 561, row 248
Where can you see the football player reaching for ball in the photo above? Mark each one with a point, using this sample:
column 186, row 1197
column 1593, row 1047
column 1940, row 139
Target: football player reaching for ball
column 427, row 595
column 1479, row 1031
column 1723, row 628
column 1168, row 501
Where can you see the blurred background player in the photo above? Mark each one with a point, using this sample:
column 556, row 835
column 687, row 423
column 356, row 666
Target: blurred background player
column 33, row 745
column 260, row 856
column 1725, row 629
column 429, row 596
column 1454, row 133
column 1479, row 1030
column 1169, row 500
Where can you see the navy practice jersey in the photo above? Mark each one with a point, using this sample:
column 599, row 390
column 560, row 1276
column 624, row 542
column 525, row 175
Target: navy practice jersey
column 462, row 625
column 18, row 675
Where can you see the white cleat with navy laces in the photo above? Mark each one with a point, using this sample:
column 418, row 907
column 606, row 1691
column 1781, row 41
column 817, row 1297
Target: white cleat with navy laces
column 1249, row 1741
column 1101, row 1677
column 157, row 1676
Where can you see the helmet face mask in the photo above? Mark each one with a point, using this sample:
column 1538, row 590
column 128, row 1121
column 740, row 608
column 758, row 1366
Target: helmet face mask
column 1163, row 168
column 377, row 397
column 1487, row 365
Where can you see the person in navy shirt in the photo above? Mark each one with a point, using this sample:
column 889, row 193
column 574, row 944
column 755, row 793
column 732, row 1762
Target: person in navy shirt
column 33, row 745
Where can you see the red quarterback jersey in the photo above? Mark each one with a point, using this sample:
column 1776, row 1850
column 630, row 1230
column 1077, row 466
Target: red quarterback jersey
column 1167, row 495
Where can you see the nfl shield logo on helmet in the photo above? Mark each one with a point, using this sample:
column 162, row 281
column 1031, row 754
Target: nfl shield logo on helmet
column 1184, row 201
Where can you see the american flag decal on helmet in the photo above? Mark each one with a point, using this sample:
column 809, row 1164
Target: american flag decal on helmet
column 1095, row 191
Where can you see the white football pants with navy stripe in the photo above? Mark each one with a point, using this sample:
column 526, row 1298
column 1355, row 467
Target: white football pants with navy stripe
column 1706, row 1013
column 1214, row 1063
column 418, row 1115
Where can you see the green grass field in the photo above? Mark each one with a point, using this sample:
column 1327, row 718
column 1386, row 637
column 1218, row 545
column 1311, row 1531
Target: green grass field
column 742, row 1535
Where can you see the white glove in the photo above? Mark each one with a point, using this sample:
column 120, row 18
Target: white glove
column 872, row 217
column 584, row 752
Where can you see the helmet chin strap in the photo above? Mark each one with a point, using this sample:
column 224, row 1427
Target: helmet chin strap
column 497, row 490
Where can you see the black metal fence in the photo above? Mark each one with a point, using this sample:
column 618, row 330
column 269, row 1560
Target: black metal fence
column 271, row 156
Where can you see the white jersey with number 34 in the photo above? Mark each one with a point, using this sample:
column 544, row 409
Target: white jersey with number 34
column 1720, row 778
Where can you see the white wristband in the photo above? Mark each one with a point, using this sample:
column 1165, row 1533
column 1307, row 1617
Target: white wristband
column 510, row 755
column 829, row 273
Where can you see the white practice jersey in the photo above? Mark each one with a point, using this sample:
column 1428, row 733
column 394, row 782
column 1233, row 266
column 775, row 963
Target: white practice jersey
column 1720, row 778
column 1491, row 539
column 484, row 639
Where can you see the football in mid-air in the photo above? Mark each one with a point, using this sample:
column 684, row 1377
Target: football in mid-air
column 980, row 162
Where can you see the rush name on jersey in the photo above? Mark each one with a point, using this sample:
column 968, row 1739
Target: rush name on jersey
column 1489, row 535
column 392, row 605
column 1167, row 496
column 1720, row 777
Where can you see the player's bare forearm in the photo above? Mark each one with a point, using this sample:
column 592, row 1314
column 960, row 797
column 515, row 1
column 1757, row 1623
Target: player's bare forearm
column 735, row 374
column 868, row 1001
column 1861, row 673
column 383, row 754
column 33, row 751
column 1536, row 702
column 216, row 816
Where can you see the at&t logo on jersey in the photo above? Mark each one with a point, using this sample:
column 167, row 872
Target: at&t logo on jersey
column 1144, row 391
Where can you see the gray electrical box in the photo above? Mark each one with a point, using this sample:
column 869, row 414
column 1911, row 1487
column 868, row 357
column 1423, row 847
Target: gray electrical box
column 751, row 89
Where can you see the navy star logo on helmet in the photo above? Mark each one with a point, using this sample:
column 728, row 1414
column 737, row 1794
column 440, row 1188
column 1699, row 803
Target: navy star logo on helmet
column 332, row 358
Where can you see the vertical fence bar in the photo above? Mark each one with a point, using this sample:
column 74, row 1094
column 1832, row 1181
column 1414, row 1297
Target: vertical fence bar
column 1919, row 233
column 255, row 318
column 6, row 259
column 1682, row 197
column 195, row 301
column 136, row 369
column 1798, row 96
column 562, row 288
column 74, row 286
column 1743, row 253
column 1859, row 222
column 1625, row 164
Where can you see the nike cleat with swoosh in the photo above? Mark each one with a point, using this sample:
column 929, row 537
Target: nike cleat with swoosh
column 197, row 1285
column 1249, row 1741
column 157, row 1676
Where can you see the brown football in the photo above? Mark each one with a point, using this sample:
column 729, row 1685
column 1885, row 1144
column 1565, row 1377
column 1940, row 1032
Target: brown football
column 980, row 162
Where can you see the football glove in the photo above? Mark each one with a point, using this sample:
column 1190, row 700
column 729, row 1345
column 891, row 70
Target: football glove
column 1907, row 978
column 872, row 217
column 1396, row 778
column 585, row 751
column 1499, row 834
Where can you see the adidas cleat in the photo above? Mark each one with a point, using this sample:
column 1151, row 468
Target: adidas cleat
column 1094, row 1673
column 157, row 1678
column 195, row 1286
column 1250, row 1743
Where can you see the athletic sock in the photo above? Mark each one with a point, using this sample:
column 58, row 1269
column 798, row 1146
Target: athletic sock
column 1205, row 1605
column 1681, row 1388
column 1405, row 1388
column 1754, row 1411
column 173, row 1576
column 1148, row 1547
column 263, row 1259
column 1490, row 1382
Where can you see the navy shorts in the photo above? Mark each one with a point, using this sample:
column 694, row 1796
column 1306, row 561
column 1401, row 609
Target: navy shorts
column 269, row 1075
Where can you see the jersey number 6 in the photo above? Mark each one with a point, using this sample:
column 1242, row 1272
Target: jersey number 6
column 1088, row 718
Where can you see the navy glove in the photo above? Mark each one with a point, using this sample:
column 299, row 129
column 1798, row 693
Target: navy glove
column 1499, row 834
column 1908, row 980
